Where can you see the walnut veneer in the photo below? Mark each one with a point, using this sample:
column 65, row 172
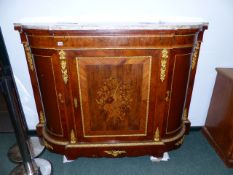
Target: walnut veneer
column 112, row 92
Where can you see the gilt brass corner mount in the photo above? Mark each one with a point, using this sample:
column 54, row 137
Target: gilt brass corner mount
column 42, row 118
column 157, row 135
column 195, row 55
column 63, row 64
column 29, row 56
column 185, row 114
column 73, row 139
column 163, row 64
column 115, row 153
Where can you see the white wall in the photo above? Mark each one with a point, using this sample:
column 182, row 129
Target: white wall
column 215, row 52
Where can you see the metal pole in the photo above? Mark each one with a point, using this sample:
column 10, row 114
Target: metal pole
column 28, row 147
column 15, row 114
column 35, row 145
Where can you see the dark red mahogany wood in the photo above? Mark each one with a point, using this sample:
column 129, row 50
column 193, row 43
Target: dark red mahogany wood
column 112, row 92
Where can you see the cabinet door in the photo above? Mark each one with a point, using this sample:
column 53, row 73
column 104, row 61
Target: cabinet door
column 115, row 93
column 49, row 79
column 178, row 86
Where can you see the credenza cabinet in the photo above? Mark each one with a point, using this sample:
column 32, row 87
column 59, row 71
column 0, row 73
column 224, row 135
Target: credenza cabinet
column 112, row 90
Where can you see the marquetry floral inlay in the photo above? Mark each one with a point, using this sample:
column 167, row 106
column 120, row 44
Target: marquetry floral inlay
column 114, row 99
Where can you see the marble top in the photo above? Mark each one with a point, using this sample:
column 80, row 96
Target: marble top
column 103, row 24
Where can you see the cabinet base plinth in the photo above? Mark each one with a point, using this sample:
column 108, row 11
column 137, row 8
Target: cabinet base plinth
column 114, row 150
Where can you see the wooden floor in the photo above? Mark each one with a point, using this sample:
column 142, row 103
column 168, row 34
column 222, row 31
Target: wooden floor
column 5, row 122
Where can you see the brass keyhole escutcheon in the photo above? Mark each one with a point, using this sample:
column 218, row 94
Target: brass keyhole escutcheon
column 61, row 100
column 75, row 103
column 168, row 93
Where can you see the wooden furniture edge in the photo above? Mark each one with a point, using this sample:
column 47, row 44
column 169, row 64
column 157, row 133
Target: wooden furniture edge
column 205, row 132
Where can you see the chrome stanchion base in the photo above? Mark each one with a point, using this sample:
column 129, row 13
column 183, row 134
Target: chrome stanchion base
column 44, row 166
column 35, row 146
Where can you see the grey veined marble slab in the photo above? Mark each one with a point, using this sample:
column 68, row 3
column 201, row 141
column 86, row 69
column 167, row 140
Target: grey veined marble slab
column 87, row 24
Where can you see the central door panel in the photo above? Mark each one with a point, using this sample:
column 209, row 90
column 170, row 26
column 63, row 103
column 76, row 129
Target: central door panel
column 114, row 95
